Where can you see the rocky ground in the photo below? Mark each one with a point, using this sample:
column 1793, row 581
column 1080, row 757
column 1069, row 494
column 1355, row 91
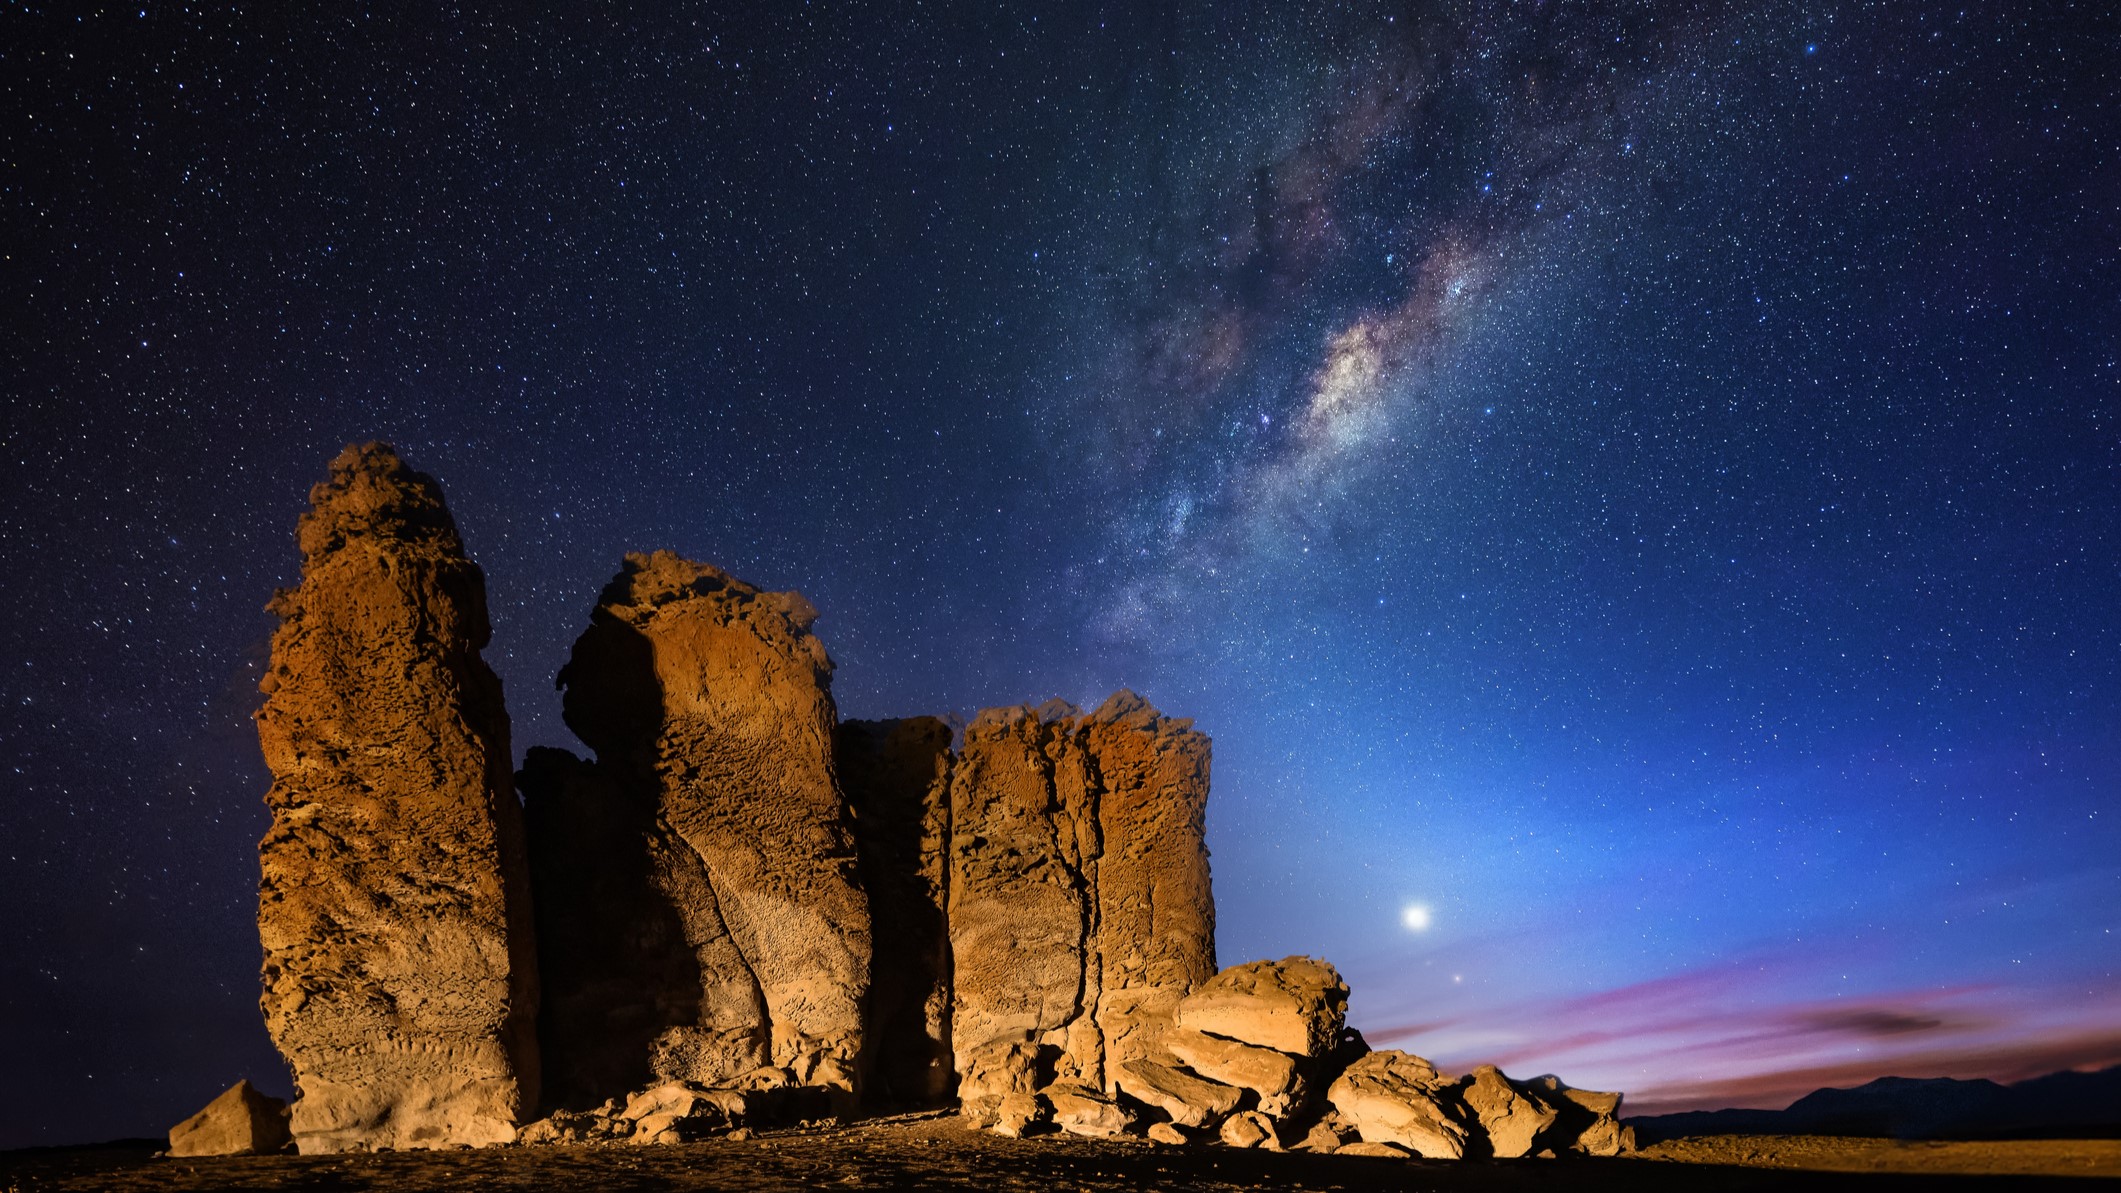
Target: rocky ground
column 941, row 1152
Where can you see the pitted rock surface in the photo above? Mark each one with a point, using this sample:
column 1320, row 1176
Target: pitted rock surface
column 1155, row 914
column 1080, row 909
column 642, row 981
column 400, row 971
column 710, row 699
column 1019, row 902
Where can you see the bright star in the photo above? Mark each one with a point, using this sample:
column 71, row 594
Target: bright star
column 1415, row 917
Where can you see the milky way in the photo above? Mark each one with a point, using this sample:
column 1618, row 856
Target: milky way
column 1636, row 483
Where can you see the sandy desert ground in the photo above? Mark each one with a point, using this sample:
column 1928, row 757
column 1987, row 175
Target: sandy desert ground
column 939, row 1152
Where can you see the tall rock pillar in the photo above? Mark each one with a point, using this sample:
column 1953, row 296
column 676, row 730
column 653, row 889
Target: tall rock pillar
column 1080, row 905
column 400, row 970
column 1155, row 936
column 712, row 827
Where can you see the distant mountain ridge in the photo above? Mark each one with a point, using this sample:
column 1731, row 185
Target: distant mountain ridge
column 2068, row 1102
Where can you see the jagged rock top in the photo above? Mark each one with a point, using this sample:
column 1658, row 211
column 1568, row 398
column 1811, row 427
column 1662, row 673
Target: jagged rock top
column 399, row 967
column 1123, row 708
column 653, row 595
column 373, row 494
column 647, row 582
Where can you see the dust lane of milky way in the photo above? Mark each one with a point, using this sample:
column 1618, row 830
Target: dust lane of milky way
column 1637, row 484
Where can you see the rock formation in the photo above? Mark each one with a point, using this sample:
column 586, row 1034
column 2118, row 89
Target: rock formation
column 1510, row 1119
column 642, row 982
column 241, row 1122
column 400, row 973
column 746, row 913
column 897, row 778
column 712, row 824
column 1395, row 1098
column 1155, row 909
column 1079, row 901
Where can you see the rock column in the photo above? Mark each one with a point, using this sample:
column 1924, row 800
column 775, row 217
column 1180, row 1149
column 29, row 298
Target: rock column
column 708, row 703
column 400, row 973
column 1080, row 908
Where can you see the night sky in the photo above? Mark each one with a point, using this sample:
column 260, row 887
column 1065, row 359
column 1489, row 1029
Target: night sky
column 1630, row 490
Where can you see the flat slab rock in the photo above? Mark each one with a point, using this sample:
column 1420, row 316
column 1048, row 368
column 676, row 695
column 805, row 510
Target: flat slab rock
column 1189, row 1099
column 400, row 975
column 1276, row 1077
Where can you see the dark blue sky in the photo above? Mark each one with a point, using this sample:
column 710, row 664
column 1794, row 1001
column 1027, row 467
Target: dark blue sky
column 1637, row 483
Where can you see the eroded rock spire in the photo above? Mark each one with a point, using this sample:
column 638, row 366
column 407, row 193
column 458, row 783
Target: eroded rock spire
column 711, row 826
column 400, row 976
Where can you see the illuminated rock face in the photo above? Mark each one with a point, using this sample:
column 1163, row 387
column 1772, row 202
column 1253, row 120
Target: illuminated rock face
column 1079, row 901
column 400, row 977
column 714, row 800
column 241, row 1122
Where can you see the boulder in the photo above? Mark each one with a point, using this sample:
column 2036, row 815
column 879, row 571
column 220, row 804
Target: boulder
column 1296, row 1005
column 1326, row 1135
column 1190, row 1100
column 1079, row 1110
column 1397, row 1098
column 1274, row 1076
column 1009, row 1064
column 241, row 1122
column 1510, row 1119
column 1017, row 1115
column 1250, row 1128
column 576, row 1128
column 1586, row 1121
column 897, row 778
column 1168, row 1135
column 683, row 1100
column 1376, row 1151
column 707, row 701
column 400, row 974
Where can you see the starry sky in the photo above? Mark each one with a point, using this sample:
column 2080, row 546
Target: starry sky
column 1631, row 489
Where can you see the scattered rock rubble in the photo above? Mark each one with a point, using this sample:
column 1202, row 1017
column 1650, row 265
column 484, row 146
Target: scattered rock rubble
column 1260, row 1056
column 743, row 913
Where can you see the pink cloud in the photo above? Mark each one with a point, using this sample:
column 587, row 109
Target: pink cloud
column 1718, row 1037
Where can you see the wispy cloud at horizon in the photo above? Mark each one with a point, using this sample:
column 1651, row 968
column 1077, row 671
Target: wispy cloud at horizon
column 1727, row 1036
